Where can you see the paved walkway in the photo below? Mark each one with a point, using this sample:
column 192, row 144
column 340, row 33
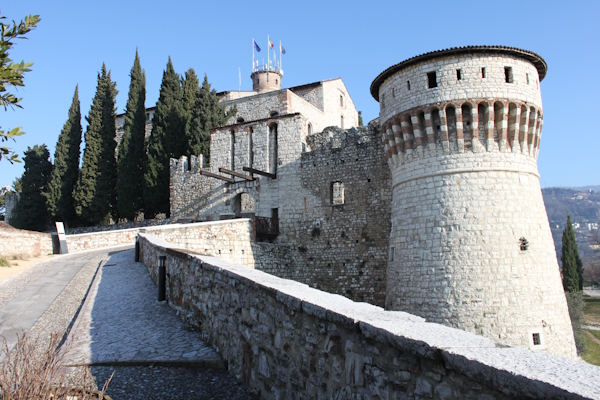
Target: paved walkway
column 122, row 324
column 24, row 299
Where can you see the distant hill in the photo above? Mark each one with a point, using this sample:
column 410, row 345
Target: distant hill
column 583, row 204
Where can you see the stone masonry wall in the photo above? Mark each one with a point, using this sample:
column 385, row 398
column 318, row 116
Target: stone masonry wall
column 283, row 339
column 17, row 242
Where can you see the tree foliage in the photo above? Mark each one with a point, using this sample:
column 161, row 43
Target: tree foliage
column 11, row 75
column 131, row 149
column 207, row 114
column 95, row 192
column 64, row 176
column 571, row 263
column 30, row 212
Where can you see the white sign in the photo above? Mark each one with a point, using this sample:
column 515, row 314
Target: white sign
column 60, row 230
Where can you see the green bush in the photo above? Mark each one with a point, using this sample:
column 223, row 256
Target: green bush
column 4, row 262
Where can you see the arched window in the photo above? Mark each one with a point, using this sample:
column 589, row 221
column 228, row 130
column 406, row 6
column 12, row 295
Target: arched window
column 341, row 100
column 240, row 120
column 342, row 122
column 309, row 129
column 273, row 148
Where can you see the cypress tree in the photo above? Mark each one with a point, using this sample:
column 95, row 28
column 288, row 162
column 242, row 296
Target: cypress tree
column 95, row 193
column 167, row 126
column 191, row 88
column 31, row 212
column 206, row 115
column 131, row 148
column 569, row 259
column 66, row 167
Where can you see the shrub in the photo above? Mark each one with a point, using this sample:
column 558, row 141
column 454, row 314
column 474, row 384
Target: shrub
column 4, row 262
column 576, row 303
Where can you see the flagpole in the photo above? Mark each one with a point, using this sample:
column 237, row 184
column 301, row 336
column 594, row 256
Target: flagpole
column 280, row 67
column 252, row 70
column 240, row 76
column 268, row 57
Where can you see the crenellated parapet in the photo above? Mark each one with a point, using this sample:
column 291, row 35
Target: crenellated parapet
column 471, row 245
column 475, row 126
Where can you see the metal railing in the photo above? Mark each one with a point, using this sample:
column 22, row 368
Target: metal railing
column 267, row 226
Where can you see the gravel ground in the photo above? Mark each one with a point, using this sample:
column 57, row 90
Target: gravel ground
column 135, row 382
column 170, row 383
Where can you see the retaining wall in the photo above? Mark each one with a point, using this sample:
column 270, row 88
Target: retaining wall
column 286, row 340
column 19, row 242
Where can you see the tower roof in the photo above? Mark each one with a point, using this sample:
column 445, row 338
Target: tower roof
column 535, row 59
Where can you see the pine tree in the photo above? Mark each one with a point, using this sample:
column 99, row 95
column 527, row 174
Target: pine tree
column 207, row 114
column 95, row 193
column 167, row 125
column 569, row 259
column 66, row 167
column 131, row 149
column 31, row 212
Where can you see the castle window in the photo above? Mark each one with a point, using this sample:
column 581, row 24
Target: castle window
column 431, row 80
column 458, row 74
column 250, row 148
column 341, row 100
column 393, row 92
column 483, row 72
column 523, row 244
column 392, row 254
column 408, row 85
column 537, row 340
column 342, row 122
column 240, row 120
column 273, row 114
column 337, row 193
column 527, row 76
column 508, row 74
column 309, row 129
column 147, row 116
column 276, row 81
column 382, row 100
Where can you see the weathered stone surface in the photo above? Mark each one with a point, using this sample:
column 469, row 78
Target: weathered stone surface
column 290, row 353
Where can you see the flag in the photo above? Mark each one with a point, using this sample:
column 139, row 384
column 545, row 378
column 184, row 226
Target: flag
column 256, row 47
column 281, row 48
column 270, row 43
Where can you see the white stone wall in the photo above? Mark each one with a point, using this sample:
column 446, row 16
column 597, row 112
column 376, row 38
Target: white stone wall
column 332, row 89
column 459, row 212
column 394, row 96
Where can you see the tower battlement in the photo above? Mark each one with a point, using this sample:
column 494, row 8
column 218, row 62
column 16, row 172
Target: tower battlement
column 471, row 246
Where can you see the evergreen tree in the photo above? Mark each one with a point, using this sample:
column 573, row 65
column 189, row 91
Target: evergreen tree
column 95, row 193
column 207, row 114
column 30, row 212
column 191, row 88
column 167, row 129
column 66, row 167
column 131, row 149
column 569, row 259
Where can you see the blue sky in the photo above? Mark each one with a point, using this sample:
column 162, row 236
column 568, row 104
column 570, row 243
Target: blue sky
column 348, row 39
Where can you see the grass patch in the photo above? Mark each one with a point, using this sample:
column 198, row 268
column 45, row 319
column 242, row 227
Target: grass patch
column 592, row 355
column 4, row 262
column 595, row 333
column 592, row 310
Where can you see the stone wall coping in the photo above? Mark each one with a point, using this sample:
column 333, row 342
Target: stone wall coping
column 514, row 371
column 158, row 227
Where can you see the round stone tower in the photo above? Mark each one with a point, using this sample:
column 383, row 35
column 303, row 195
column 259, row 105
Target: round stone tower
column 266, row 78
column 471, row 245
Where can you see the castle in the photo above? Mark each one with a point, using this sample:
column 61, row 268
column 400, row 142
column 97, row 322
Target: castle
column 434, row 209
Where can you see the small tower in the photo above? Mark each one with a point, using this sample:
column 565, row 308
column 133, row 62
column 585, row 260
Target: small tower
column 266, row 78
column 462, row 129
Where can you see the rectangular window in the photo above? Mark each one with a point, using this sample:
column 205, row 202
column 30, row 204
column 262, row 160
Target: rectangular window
column 483, row 72
column 392, row 254
column 431, row 80
column 508, row 75
column 408, row 85
column 536, row 339
column 527, row 76
column 383, row 101
column 337, row 193
column 458, row 74
column 393, row 92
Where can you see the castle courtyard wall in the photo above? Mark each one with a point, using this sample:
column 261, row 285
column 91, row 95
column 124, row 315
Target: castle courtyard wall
column 283, row 339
